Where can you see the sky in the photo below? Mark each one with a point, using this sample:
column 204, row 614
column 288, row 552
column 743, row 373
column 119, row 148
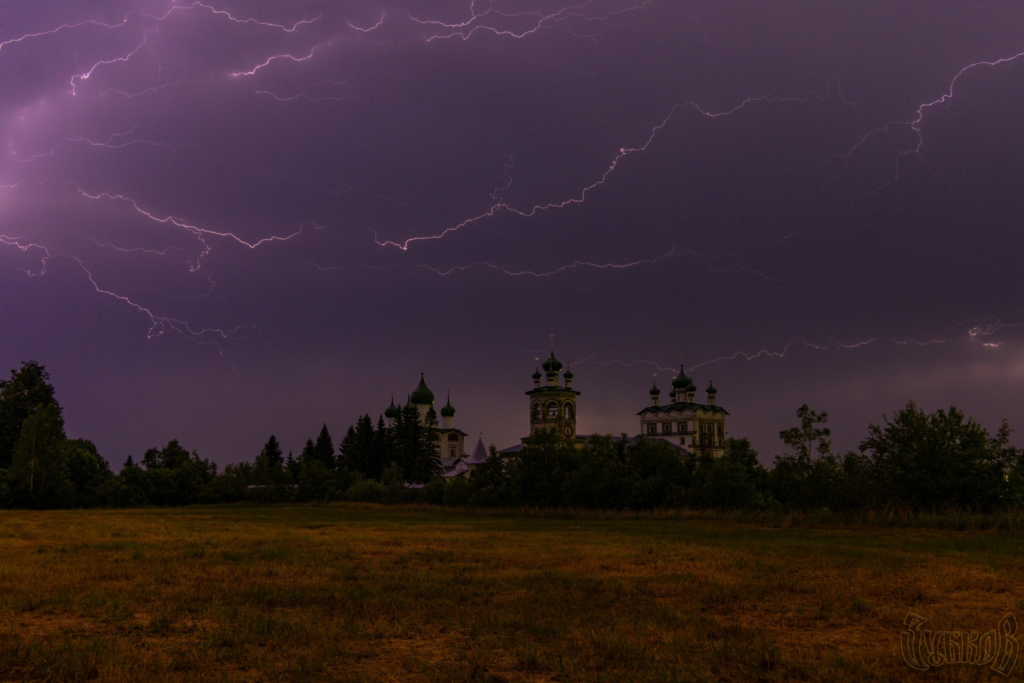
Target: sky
column 222, row 220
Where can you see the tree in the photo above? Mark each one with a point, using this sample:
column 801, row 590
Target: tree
column 272, row 452
column 173, row 476
column 808, row 437
column 87, row 472
column 37, row 469
column 940, row 459
column 20, row 396
column 292, row 466
column 418, row 446
column 324, row 448
column 308, row 453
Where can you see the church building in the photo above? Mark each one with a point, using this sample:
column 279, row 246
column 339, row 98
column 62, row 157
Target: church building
column 451, row 442
column 698, row 427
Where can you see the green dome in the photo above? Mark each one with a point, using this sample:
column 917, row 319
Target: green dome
column 711, row 388
column 448, row 411
column 655, row 391
column 692, row 388
column 422, row 396
column 536, row 375
column 682, row 381
column 568, row 374
column 552, row 364
column 392, row 410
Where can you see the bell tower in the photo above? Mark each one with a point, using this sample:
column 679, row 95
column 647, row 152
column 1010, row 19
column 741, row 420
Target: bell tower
column 552, row 405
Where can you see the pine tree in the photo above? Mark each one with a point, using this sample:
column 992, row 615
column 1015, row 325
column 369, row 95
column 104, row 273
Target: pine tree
column 324, row 448
column 348, row 451
column 292, row 466
column 308, row 453
column 272, row 452
column 383, row 448
column 364, row 441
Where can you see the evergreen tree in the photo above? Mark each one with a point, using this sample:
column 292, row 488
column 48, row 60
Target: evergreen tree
column 20, row 396
column 324, row 448
column 272, row 452
column 129, row 462
column 292, row 466
column 308, row 453
column 364, row 447
column 348, row 451
column 383, row 453
column 37, row 469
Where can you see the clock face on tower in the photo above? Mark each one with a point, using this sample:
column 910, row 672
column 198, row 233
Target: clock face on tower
column 568, row 430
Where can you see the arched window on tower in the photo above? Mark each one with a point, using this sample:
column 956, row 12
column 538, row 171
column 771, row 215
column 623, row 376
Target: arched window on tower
column 553, row 409
column 535, row 412
column 569, row 412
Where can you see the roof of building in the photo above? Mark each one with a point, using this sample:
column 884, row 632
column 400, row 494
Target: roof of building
column 391, row 410
column 479, row 453
column 568, row 373
column 683, row 405
column 448, row 411
column 536, row 374
column 711, row 388
column 552, row 364
column 556, row 388
column 680, row 381
column 513, row 451
column 422, row 395
column 655, row 391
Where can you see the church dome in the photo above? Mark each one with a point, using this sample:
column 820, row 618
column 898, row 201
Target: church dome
column 711, row 388
column 422, row 396
column 568, row 374
column 682, row 381
column 448, row 411
column 536, row 375
column 655, row 391
column 392, row 410
column 552, row 364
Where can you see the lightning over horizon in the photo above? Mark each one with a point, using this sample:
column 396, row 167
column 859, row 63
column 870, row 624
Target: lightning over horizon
column 278, row 182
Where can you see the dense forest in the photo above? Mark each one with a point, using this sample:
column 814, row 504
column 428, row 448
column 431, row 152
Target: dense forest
column 924, row 461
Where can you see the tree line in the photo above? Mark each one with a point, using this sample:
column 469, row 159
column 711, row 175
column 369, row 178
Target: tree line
column 913, row 459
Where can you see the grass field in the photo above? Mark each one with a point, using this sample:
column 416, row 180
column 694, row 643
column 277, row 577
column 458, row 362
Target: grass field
column 365, row 593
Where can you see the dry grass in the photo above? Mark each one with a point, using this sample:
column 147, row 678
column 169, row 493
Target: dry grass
column 366, row 593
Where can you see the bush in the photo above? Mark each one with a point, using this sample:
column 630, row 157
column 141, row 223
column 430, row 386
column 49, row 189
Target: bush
column 368, row 491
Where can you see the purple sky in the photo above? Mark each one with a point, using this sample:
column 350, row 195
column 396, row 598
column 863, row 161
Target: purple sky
column 220, row 221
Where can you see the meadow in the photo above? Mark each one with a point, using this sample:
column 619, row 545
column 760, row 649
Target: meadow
column 360, row 592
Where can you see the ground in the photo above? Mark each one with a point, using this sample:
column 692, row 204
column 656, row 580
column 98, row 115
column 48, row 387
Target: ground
column 365, row 593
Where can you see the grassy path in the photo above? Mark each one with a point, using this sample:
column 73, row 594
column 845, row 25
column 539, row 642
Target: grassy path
column 364, row 593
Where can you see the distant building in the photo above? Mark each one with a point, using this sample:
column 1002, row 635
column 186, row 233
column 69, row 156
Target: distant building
column 685, row 424
column 451, row 442
column 698, row 427
column 463, row 467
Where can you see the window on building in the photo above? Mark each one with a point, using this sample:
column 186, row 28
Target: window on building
column 568, row 411
column 652, row 428
column 535, row 411
column 682, row 427
column 451, row 452
column 721, row 430
column 552, row 409
column 666, row 428
column 453, row 437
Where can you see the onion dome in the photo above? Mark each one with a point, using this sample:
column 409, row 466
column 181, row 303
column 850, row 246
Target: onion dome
column 711, row 389
column 392, row 410
column 568, row 374
column 655, row 391
column 536, row 375
column 691, row 388
column 408, row 402
column 552, row 364
column 682, row 381
column 448, row 411
column 422, row 395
